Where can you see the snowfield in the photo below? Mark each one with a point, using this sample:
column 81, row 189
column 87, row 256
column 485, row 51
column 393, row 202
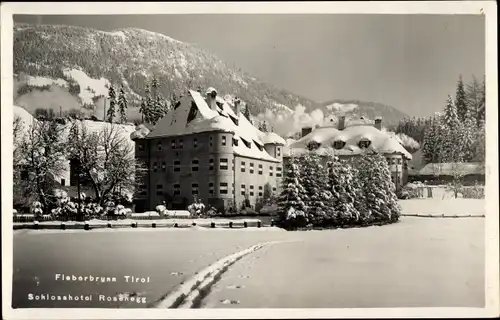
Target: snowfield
column 447, row 207
column 43, row 81
column 98, row 86
column 418, row 262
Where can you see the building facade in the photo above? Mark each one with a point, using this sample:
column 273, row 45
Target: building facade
column 350, row 141
column 205, row 150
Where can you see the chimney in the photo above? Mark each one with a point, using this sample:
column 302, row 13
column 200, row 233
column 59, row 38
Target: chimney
column 306, row 131
column 237, row 109
column 341, row 122
column 211, row 95
column 378, row 123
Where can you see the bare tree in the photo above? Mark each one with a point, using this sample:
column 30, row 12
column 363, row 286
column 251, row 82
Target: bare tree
column 42, row 157
column 106, row 159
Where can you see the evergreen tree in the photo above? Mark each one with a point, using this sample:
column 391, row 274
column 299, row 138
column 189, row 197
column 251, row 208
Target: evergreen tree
column 315, row 181
column 432, row 144
column 451, row 137
column 110, row 113
column 474, row 97
column 143, row 109
column 122, row 105
column 481, row 112
column 291, row 202
column 149, row 115
column 378, row 190
column 246, row 113
column 344, row 187
column 461, row 101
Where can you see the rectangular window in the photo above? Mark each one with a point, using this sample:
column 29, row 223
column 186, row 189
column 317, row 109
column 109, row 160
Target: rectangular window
column 223, row 140
column 242, row 166
column 63, row 182
column 174, row 144
column 181, row 144
column 163, row 166
column 260, row 169
column 160, row 146
column 393, row 161
column 177, row 166
column 159, row 189
column 177, row 189
column 211, row 141
column 278, row 152
column 195, row 143
column 159, row 186
column 242, row 189
column 399, row 161
column 211, row 164
column 260, row 194
column 194, row 188
column 223, row 164
column 278, row 172
column 274, row 189
column 194, row 165
column 223, row 188
column 251, row 187
column 211, row 188
column 260, row 187
column 270, row 171
column 155, row 166
column 140, row 147
column 251, row 167
column 251, row 191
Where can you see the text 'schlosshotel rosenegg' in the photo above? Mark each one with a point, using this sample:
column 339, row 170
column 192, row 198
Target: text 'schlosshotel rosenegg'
column 91, row 297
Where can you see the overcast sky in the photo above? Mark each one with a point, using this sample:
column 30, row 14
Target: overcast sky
column 411, row 62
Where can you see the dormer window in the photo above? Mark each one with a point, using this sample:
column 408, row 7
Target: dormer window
column 338, row 144
column 364, row 143
column 313, row 145
column 247, row 144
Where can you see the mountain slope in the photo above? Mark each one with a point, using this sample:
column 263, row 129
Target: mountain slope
column 65, row 67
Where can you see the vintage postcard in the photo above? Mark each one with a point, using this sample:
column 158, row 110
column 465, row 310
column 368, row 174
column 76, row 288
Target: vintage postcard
column 249, row 160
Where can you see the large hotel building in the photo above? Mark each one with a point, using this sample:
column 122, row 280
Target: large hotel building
column 207, row 148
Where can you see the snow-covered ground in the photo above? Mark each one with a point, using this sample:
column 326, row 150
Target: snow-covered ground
column 448, row 207
column 414, row 263
column 97, row 86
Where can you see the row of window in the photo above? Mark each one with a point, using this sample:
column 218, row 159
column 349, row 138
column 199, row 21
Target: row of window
column 339, row 144
column 179, row 144
column 393, row 161
column 223, row 165
column 223, row 189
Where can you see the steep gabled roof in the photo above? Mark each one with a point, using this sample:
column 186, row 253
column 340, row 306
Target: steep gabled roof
column 193, row 115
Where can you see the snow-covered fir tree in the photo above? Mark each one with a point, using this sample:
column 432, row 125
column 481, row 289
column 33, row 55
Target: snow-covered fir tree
column 461, row 101
column 433, row 139
column 379, row 191
column 122, row 105
column 315, row 181
column 344, row 188
column 143, row 110
column 246, row 113
column 473, row 95
column 110, row 113
column 451, row 138
column 291, row 202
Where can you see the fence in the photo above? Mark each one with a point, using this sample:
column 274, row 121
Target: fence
column 444, row 192
column 20, row 218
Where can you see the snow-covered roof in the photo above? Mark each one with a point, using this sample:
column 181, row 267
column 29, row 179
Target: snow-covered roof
column 223, row 118
column 325, row 136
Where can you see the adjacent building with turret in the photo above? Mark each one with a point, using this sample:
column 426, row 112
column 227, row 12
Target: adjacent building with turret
column 206, row 148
